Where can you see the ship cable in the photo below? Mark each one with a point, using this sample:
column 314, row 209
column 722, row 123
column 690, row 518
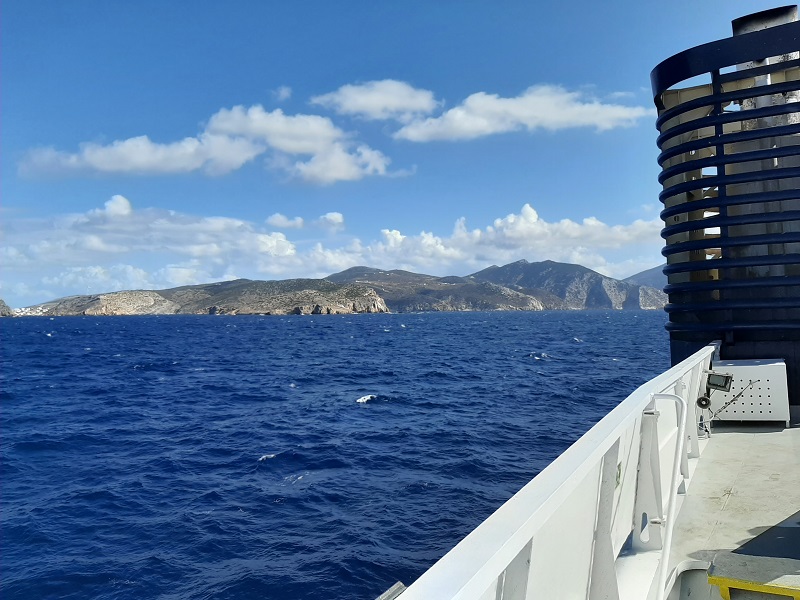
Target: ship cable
column 734, row 399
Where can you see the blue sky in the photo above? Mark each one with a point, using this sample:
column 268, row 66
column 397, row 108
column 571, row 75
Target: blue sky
column 155, row 144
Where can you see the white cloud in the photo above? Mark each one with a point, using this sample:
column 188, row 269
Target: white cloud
column 75, row 240
column 216, row 155
column 98, row 279
column 283, row 93
column 336, row 164
column 232, row 138
column 283, row 222
column 118, row 206
column 386, row 99
column 13, row 257
column 332, row 221
column 331, row 158
column 292, row 134
column 539, row 107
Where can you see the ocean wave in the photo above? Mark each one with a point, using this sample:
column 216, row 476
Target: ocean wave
column 184, row 467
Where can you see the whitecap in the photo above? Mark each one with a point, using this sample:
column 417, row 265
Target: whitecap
column 366, row 398
column 266, row 457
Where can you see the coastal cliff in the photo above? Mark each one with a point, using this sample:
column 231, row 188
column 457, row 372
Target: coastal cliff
column 520, row 285
column 575, row 287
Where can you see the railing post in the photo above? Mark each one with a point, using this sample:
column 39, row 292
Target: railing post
column 603, row 576
column 649, row 503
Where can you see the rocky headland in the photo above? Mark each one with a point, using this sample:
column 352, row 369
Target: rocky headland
column 238, row 297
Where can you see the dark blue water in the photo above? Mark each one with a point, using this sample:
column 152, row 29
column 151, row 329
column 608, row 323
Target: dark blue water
column 228, row 457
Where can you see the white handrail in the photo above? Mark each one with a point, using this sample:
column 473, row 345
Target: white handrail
column 683, row 405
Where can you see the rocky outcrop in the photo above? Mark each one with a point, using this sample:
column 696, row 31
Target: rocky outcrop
column 239, row 297
column 651, row 298
column 5, row 309
column 343, row 300
column 114, row 303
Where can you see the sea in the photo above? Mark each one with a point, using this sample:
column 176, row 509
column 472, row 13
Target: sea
column 297, row 457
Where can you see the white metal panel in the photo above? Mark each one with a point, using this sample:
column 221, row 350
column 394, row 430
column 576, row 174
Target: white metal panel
column 561, row 556
column 766, row 399
column 513, row 583
column 625, row 493
column 603, row 577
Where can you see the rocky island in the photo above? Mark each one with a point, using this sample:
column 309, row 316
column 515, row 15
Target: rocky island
column 520, row 285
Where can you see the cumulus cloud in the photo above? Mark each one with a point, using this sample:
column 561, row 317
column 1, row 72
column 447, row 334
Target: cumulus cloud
column 120, row 246
column 308, row 146
column 380, row 100
column 540, row 107
column 74, row 240
column 332, row 221
column 311, row 147
column 118, row 206
column 115, row 207
column 283, row 222
column 215, row 154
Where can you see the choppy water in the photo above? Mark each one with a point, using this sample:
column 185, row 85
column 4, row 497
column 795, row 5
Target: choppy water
column 229, row 457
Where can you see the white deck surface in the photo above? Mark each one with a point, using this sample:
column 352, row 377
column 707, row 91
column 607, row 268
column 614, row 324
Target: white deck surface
column 747, row 480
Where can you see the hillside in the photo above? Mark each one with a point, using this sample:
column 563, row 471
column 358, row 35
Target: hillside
column 577, row 287
column 241, row 296
column 517, row 286
column 404, row 291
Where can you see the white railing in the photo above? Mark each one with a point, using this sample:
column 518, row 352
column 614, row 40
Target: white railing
column 613, row 492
